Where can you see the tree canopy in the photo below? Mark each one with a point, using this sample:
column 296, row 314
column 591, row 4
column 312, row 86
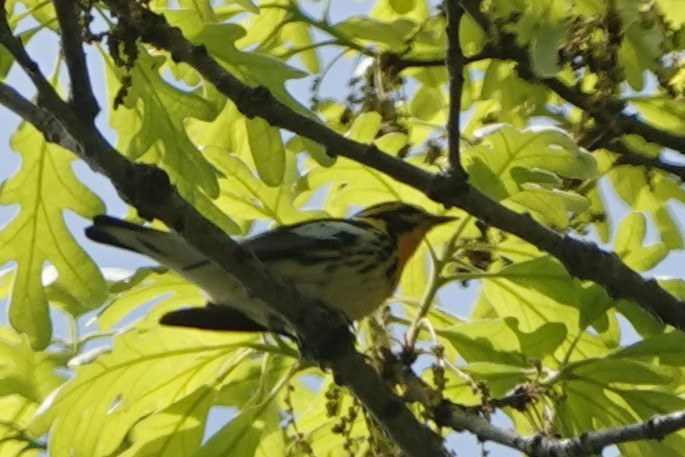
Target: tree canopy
column 548, row 129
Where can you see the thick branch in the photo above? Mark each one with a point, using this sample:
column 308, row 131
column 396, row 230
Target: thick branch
column 70, row 28
column 324, row 333
column 631, row 123
column 582, row 259
column 15, row 102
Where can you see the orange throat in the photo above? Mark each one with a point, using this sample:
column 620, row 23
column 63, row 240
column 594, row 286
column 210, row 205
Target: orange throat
column 406, row 246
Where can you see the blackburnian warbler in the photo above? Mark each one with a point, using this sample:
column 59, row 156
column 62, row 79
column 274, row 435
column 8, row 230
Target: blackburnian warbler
column 351, row 264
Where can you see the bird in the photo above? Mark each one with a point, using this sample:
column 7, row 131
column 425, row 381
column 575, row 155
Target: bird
column 352, row 264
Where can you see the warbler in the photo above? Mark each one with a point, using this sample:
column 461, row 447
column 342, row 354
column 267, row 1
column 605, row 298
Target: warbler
column 352, row 264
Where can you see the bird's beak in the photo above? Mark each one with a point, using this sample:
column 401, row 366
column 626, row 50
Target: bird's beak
column 437, row 220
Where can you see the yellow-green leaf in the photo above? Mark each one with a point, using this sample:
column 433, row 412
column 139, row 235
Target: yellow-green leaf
column 44, row 187
column 365, row 127
column 145, row 371
column 629, row 240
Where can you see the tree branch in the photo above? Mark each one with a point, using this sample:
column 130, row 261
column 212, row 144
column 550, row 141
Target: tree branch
column 627, row 156
column 324, row 333
column 399, row 63
column 586, row 444
column 578, row 99
column 149, row 190
column 582, row 259
column 16, row 48
column 633, row 124
column 71, row 30
column 455, row 68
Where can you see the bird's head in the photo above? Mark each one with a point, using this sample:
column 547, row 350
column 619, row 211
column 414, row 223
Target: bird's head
column 408, row 224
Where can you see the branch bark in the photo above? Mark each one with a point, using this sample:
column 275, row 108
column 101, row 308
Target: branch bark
column 586, row 444
column 455, row 69
column 71, row 31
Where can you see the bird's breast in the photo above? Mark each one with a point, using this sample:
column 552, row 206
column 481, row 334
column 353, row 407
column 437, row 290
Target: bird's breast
column 356, row 281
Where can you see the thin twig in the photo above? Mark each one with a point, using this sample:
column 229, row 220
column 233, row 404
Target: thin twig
column 627, row 156
column 586, row 444
column 430, row 292
column 324, row 26
column 435, row 281
column 399, row 63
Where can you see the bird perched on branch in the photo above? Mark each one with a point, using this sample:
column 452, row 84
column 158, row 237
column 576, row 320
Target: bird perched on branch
column 352, row 264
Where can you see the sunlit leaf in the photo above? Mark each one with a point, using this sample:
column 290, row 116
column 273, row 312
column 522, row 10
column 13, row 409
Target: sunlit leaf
column 365, row 127
column 168, row 290
column 252, row 68
column 172, row 364
column 671, row 9
column 500, row 377
column 44, row 187
column 501, row 341
column 495, row 165
column 151, row 124
column 267, row 150
column 15, row 414
column 661, row 111
column 640, row 47
column 23, row 371
column 534, row 292
column 542, row 28
column 26, row 378
column 428, row 103
column 628, row 244
column 391, row 35
column 174, row 431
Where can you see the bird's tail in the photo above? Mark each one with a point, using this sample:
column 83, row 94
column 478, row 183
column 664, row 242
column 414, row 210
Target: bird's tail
column 233, row 311
column 165, row 247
